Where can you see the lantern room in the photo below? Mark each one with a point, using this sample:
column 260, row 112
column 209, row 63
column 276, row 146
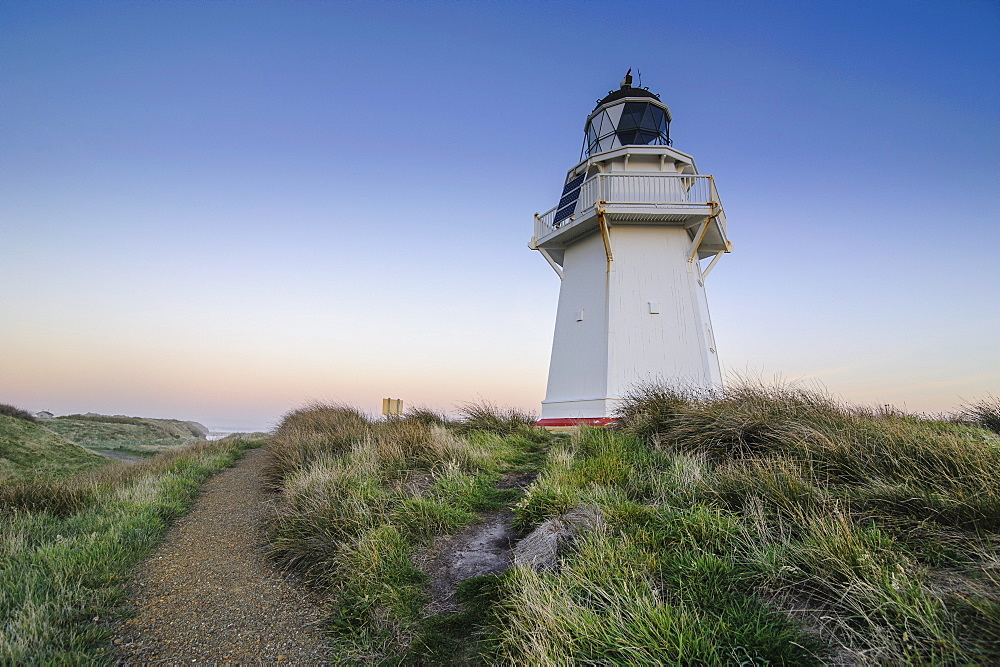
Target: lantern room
column 627, row 117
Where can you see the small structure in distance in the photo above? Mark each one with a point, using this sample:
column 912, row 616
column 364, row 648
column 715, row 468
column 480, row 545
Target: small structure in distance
column 392, row 407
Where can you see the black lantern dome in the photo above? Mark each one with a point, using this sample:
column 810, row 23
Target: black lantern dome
column 627, row 117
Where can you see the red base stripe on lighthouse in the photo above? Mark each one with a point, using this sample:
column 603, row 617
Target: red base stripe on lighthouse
column 579, row 421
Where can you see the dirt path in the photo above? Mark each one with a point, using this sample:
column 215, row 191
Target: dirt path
column 124, row 457
column 209, row 595
column 485, row 547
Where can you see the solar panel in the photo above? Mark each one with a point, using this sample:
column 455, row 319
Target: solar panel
column 567, row 203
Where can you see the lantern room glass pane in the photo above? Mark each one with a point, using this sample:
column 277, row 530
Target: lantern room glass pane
column 659, row 118
column 647, row 117
column 635, row 107
column 628, row 137
column 629, row 123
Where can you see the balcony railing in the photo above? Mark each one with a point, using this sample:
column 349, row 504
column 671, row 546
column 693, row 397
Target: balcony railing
column 646, row 190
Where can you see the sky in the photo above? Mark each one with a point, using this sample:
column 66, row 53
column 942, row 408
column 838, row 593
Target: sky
column 220, row 211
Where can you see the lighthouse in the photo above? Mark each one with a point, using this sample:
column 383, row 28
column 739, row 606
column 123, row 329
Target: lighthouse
column 635, row 234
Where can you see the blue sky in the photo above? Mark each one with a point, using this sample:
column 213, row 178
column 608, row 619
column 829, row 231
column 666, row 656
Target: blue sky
column 217, row 211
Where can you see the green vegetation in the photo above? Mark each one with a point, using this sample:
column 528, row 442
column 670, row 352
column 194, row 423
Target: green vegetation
column 755, row 525
column 484, row 416
column 138, row 435
column 68, row 544
column 984, row 413
column 8, row 410
column 749, row 526
column 879, row 528
column 27, row 449
column 655, row 580
column 360, row 498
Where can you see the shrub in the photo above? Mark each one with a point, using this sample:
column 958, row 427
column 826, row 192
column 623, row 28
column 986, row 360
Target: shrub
column 18, row 413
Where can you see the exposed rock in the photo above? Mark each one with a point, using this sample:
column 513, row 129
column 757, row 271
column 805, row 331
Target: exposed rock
column 543, row 547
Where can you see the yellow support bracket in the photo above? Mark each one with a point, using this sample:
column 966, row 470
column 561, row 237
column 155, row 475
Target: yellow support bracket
column 605, row 232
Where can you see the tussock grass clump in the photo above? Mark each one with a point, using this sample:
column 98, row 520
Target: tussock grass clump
column 311, row 431
column 17, row 413
column 485, row 416
column 984, row 413
column 887, row 461
column 360, row 496
column 733, row 505
column 59, row 497
column 426, row 416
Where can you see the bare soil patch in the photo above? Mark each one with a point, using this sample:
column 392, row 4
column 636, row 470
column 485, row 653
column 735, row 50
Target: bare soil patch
column 486, row 547
column 483, row 548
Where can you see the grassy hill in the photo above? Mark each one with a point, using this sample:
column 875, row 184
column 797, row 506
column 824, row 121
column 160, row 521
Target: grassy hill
column 135, row 434
column 754, row 525
column 29, row 449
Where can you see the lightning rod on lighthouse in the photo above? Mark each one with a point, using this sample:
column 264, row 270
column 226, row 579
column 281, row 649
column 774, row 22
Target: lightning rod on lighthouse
column 633, row 237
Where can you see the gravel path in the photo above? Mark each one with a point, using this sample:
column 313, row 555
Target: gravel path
column 207, row 594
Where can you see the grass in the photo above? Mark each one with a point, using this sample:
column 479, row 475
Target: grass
column 360, row 498
column 655, row 581
column 463, row 637
column 8, row 410
column 485, row 416
column 137, row 435
column 756, row 525
column 984, row 413
column 27, row 449
column 767, row 524
column 68, row 545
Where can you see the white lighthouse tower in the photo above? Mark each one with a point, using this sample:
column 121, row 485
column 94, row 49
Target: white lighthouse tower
column 632, row 239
